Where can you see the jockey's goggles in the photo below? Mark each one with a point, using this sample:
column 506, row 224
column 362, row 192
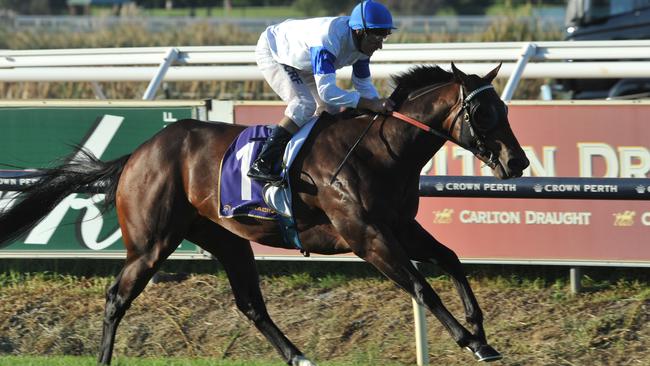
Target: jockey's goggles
column 377, row 35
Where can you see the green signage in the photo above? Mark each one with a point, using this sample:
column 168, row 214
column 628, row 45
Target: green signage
column 39, row 136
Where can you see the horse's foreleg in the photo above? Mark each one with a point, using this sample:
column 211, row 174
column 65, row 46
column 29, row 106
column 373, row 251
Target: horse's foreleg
column 422, row 246
column 236, row 256
column 381, row 249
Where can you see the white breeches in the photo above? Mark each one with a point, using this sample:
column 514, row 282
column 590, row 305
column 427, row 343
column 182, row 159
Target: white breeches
column 296, row 87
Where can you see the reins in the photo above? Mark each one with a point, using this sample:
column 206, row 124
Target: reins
column 412, row 121
column 463, row 110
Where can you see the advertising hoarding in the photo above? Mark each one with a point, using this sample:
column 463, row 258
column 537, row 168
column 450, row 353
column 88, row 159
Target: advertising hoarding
column 571, row 139
column 561, row 139
column 35, row 134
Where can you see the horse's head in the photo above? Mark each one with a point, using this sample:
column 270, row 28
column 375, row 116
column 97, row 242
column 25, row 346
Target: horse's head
column 464, row 109
column 480, row 123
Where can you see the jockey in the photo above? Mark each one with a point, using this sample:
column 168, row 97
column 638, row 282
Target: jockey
column 299, row 59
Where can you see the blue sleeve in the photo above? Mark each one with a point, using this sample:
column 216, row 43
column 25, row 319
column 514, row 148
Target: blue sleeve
column 361, row 68
column 322, row 61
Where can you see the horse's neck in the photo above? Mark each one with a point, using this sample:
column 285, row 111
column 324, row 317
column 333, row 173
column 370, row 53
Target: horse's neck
column 409, row 146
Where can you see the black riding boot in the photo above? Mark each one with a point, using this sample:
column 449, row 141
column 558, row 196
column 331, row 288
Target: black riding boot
column 264, row 167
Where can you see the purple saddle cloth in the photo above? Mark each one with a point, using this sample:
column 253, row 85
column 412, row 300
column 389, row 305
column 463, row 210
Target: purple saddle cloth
column 238, row 194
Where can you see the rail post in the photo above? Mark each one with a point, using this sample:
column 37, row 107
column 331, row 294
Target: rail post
column 420, row 323
column 527, row 52
column 575, row 277
column 170, row 57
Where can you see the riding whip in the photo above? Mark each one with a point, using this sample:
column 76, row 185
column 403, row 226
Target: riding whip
column 338, row 170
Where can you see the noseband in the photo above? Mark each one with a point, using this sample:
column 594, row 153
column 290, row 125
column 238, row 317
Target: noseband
column 465, row 110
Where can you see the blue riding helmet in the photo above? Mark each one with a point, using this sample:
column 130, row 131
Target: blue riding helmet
column 369, row 15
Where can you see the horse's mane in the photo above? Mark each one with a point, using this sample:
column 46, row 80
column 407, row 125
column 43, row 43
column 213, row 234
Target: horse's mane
column 415, row 78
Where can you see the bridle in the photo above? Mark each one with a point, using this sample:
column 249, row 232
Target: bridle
column 466, row 109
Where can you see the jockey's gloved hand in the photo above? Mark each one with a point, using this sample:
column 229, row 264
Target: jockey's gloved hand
column 380, row 105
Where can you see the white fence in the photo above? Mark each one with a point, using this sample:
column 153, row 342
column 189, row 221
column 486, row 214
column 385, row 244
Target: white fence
column 584, row 59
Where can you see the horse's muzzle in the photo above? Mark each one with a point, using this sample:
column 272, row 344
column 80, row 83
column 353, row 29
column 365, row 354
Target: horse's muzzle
column 510, row 165
column 516, row 166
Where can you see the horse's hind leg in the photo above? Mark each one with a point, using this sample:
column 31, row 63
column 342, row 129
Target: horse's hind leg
column 236, row 256
column 154, row 219
column 128, row 285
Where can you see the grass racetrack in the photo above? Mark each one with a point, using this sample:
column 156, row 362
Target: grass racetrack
column 91, row 361
column 337, row 313
column 129, row 361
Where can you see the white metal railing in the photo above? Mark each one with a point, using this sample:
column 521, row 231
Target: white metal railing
column 597, row 59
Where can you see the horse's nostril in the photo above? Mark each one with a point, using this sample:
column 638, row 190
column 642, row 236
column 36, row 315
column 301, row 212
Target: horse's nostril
column 517, row 164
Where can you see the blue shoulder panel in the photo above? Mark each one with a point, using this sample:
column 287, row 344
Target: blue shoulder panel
column 361, row 68
column 322, row 61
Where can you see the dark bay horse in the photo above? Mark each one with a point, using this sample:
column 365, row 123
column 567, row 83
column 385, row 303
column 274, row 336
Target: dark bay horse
column 166, row 191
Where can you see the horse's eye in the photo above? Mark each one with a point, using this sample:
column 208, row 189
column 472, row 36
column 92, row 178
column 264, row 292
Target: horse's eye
column 485, row 118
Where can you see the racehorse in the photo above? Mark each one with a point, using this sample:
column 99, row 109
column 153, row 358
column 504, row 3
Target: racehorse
column 166, row 191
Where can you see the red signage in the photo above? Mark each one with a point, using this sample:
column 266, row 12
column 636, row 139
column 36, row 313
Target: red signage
column 561, row 140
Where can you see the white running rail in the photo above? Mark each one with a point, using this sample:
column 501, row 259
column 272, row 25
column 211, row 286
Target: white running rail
column 597, row 59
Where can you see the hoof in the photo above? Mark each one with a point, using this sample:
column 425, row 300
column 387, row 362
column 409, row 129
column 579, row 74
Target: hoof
column 486, row 353
column 301, row 361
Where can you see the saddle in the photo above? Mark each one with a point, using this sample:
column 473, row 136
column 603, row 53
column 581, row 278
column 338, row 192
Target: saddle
column 242, row 196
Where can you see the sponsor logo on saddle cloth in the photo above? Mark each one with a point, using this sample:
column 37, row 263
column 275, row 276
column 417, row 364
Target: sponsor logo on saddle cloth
column 242, row 196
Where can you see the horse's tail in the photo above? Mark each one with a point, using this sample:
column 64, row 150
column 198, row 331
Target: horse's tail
column 54, row 184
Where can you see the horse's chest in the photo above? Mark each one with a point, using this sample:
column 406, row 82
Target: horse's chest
column 394, row 207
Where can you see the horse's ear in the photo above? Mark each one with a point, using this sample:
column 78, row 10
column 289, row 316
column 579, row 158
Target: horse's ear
column 458, row 75
column 492, row 74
